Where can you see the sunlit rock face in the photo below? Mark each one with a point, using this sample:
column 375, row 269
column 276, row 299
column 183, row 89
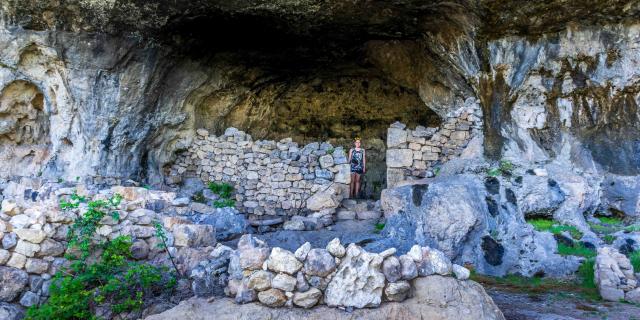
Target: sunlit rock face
column 115, row 88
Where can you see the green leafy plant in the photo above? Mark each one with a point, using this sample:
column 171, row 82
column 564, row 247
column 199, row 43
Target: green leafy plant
column 505, row 167
column 101, row 273
column 610, row 220
column 225, row 191
column 331, row 150
column 379, row 227
column 146, row 186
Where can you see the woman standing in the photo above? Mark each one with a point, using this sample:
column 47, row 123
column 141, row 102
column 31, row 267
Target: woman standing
column 357, row 158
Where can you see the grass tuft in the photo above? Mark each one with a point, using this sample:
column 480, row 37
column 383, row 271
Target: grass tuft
column 577, row 250
column 541, row 224
column 610, row 220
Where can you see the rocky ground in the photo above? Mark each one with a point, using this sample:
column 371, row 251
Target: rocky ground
column 558, row 306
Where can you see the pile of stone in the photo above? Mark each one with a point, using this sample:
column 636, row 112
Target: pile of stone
column 614, row 276
column 270, row 178
column 336, row 276
column 413, row 153
column 33, row 233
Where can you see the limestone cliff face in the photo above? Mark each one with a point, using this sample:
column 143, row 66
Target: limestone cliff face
column 114, row 88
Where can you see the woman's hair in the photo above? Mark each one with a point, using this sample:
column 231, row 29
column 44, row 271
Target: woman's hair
column 357, row 138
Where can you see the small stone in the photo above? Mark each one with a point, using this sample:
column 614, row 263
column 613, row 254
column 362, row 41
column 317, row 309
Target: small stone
column 408, row 267
column 31, row 235
column 461, row 272
column 294, row 225
column 433, row 262
column 13, row 282
column 633, row 296
column 50, row 248
column 139, row 250
column 29, row 299
column 319, row 263
column 301, row 253
column 308, row 298
column 244, row 294
column 26, row 248
column 9, row 240
column 194, row 235
column 397, row 291
column 345, row 215
column 4, row 256
column 17, row 261
column 180, row 202
column 36, row 266
column 272, row 298
column 284, row 282
column 392, row 269
column 301, row 283
column 282, row 260
column 335, row 248
column 260, row 280
column 10, row 208
column 369, row 215
column 387, row 253
column 415, row 253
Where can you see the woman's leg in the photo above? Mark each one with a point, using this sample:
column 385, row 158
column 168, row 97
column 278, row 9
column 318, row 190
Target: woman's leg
column 357, row 186
column 352, row 186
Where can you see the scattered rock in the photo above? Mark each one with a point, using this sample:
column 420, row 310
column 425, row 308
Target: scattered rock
column 284, row 282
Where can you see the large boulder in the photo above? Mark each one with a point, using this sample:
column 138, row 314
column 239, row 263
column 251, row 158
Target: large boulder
column 441, row 214
column 358, row 281
column 435, row 298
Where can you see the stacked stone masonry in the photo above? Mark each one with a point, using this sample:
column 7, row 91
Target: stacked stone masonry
column 270, row 178
column 33, row 232
column 413, row 154
column 336, row 276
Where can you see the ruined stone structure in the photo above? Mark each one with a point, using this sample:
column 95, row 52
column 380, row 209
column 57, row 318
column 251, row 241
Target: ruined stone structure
column 272, row 178
column 412, row 154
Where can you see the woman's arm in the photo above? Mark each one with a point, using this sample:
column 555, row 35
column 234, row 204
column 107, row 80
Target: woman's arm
column 350, row 150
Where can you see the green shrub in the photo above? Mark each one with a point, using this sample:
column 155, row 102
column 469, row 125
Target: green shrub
column 101, row 273
column 225, row 191
column 505, row 167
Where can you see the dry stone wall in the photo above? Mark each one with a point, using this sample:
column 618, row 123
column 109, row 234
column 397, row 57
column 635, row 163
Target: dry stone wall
column 33, row 232
column 413, row 154
column 270, row 178
column 336, row 275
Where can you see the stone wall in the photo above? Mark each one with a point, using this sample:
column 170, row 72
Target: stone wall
column 336, row 276
column 33, row 232
column 270, row 178
column 413, row 154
